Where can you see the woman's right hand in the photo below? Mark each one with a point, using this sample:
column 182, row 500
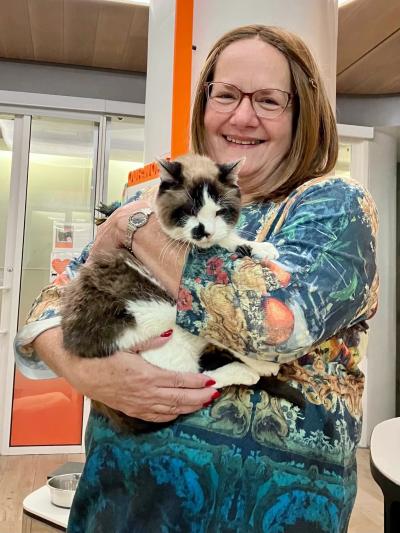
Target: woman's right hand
column 126, row 382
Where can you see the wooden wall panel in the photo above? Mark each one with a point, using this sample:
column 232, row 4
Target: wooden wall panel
column 91, row 33
column 15, row 29
column 362, row 25
column 378, row 72
column 80, row 28
column 135, row 53
column 111, row 36
column 47, row 28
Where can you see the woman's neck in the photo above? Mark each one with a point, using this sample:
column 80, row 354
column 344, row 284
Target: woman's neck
column 251, row 187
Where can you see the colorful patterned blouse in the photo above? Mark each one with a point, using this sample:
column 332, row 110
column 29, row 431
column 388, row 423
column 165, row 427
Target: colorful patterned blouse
column 250, row 462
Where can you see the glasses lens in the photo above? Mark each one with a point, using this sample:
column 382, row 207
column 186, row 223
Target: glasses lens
column 223, row 97
column 270, row 102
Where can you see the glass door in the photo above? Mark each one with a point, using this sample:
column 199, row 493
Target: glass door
column 56, row 221
column 124, row 152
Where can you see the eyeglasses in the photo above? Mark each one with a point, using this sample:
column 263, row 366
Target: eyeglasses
column 267, row 103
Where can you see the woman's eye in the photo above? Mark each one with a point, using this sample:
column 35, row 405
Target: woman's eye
column 268, row 101
column 225, row 96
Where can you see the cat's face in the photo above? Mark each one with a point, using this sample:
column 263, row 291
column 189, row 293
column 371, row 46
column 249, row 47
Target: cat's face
column 198, row 200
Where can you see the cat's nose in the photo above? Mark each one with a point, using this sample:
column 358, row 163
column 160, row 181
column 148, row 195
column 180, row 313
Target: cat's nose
column 199, row 232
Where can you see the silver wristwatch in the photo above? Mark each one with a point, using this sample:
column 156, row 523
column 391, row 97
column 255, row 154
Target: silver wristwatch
column 136, row 221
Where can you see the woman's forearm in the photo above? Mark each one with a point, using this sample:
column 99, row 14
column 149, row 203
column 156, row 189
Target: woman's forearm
column 49, row 347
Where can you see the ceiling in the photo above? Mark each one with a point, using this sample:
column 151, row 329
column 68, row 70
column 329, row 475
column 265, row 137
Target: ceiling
column 369, row 47
column 113, row 35
column 90, row 33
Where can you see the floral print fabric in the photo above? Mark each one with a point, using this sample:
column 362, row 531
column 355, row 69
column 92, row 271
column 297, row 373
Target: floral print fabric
column 251, row 462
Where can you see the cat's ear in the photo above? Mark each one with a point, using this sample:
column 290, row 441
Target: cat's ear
column 170, row 171
column 229, row 172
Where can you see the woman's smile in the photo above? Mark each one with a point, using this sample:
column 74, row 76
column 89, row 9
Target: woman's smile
column 242, row 141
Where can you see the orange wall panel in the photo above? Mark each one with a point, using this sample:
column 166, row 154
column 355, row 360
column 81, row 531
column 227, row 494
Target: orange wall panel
column 45, row 413
column 181, row 92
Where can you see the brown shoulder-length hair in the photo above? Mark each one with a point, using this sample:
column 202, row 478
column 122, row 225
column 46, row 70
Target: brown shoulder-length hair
column 314, row 147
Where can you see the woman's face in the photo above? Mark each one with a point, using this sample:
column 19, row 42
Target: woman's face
column 250, row 64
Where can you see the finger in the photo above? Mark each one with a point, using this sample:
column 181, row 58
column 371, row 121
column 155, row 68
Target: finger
column 184, row 380
column 174, row 400
column 153, row 343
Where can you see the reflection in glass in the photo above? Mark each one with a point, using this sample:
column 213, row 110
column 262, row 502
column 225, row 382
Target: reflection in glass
column 126, row 141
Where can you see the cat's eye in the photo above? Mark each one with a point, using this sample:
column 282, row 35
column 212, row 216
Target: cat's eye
column 221, row 212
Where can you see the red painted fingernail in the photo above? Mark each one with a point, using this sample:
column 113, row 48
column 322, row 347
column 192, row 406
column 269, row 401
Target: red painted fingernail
column 213, row 397
column 167, row 333
column 210, row 383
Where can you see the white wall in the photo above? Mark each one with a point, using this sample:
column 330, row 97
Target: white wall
column 381, row 386
column 72, row 81
column 160, row 61
column 314, row 20
column 377, row 111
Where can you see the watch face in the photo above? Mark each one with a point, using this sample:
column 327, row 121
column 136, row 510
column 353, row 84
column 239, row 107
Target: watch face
column 138, row 219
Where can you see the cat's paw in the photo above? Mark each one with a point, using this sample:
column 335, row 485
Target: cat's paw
column 264, row 250
column 233, row 374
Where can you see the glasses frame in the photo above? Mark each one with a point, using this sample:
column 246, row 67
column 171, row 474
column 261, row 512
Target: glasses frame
column 209, row 84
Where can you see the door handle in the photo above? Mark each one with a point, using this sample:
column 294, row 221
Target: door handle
column 3, row 331
column 4, row 288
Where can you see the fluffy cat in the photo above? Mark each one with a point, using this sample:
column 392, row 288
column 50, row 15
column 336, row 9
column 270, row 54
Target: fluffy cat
column 114, row 303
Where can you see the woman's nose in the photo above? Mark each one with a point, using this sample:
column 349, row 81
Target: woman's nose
column 244, row 114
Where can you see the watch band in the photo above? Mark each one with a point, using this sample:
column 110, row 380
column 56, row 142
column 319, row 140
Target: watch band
column 136, row 221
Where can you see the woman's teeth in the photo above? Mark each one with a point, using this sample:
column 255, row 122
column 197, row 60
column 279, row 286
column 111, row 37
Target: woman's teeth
column 238, row 141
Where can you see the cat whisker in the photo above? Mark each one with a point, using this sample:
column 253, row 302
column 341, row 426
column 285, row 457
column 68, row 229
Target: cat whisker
column 187, row 250
column 185, row 246
column 188, row 194
column 167, row 248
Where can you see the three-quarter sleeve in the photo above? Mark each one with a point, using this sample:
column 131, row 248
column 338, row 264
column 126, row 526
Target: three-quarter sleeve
column 43, row 315
column 324, row 280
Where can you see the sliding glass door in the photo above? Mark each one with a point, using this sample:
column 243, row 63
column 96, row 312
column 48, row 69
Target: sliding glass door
column 58, row 216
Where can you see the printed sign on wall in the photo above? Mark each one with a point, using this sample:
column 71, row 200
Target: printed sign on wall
column 68, row 242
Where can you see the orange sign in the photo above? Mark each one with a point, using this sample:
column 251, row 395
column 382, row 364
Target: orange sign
column 141, row 175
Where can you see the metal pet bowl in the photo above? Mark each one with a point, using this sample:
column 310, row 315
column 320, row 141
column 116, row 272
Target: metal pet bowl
column 63, row 488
